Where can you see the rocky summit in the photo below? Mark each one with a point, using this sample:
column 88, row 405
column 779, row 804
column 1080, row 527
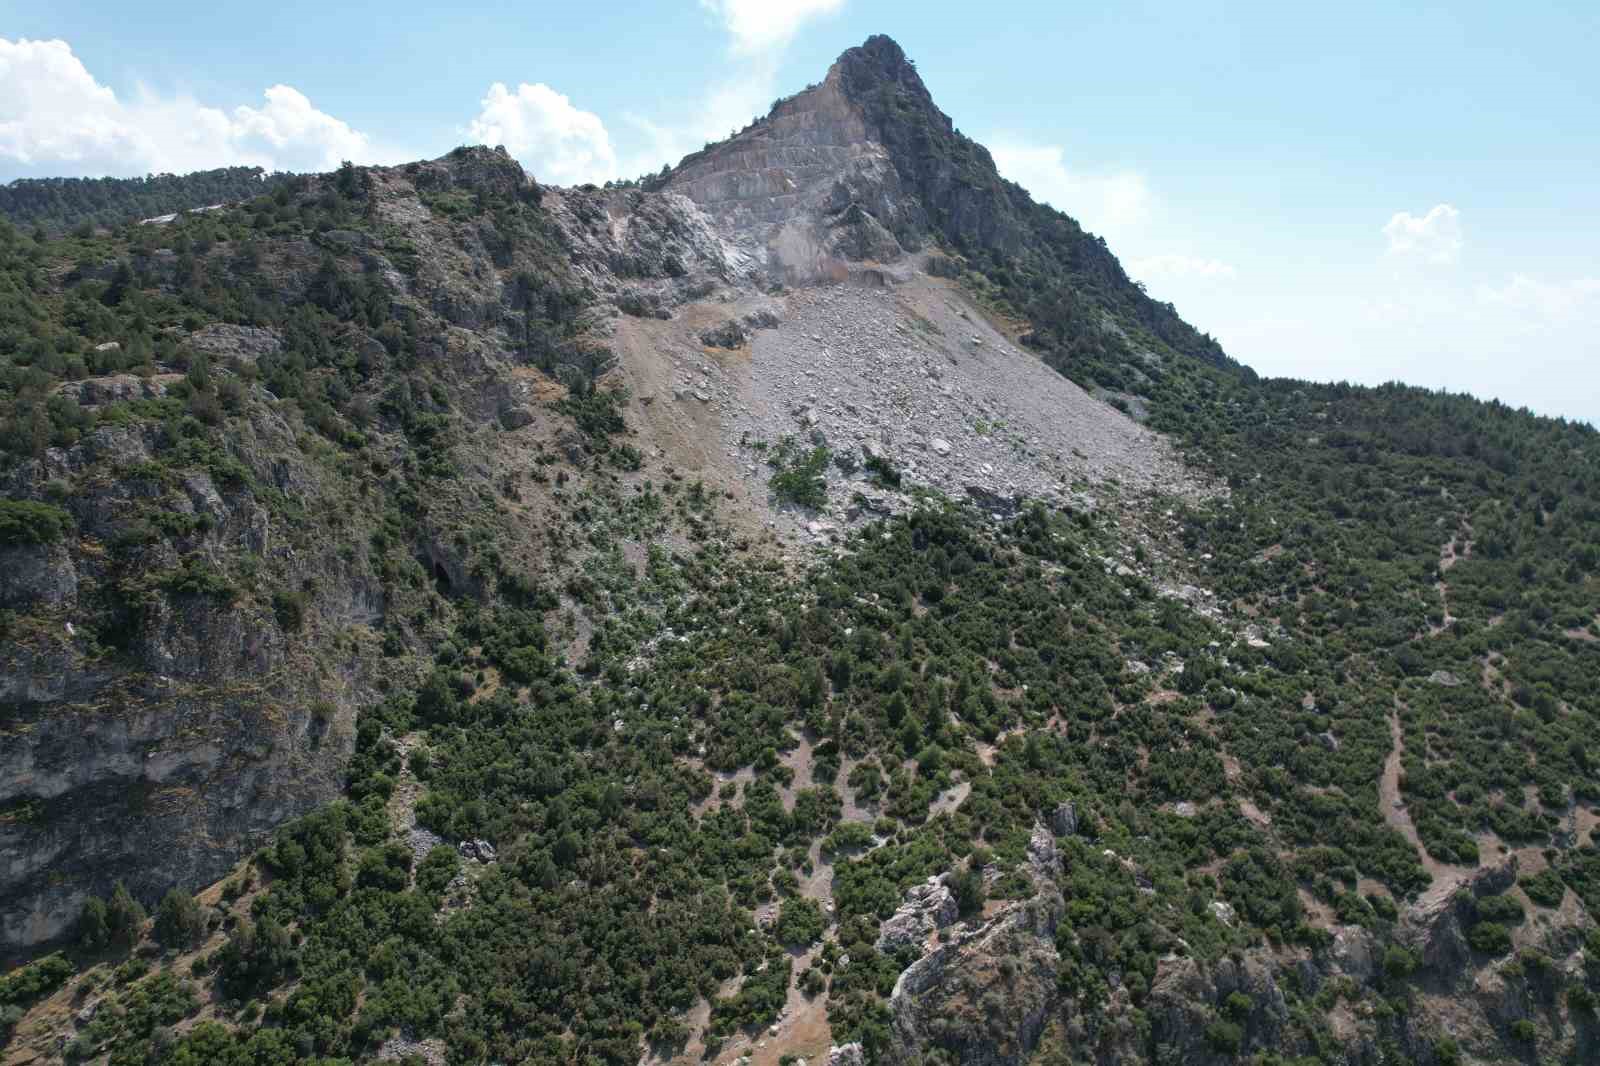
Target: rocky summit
column 807, row 605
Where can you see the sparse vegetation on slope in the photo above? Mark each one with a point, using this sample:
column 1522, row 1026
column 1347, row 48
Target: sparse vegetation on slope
column 1261, row 777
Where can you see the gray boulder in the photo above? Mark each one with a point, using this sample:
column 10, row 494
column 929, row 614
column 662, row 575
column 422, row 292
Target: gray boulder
column 727, row 335
column 847, row 1055
column 927, row 907
column 1064, row 822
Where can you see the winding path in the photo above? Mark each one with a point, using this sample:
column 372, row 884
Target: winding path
column 1447, row 877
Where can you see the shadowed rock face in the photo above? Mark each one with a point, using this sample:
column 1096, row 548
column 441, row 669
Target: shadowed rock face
column 158, row 762
column 954, row 179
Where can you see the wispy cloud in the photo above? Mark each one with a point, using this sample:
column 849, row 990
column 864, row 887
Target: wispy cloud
column 1556, row 300
column 1416, row 310
column 55, row 116
column 1105, row 203
column 761, row 26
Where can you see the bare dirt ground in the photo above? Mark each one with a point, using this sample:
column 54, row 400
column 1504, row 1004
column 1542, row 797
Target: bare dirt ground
column 801, row 760
column 802, row 1030
column 1446, row 876
column 1255, row 815
column 1584, row 820
column 950, row 799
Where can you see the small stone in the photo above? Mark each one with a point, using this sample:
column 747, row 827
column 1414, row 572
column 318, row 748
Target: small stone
column 940, row 446
column 513, row 418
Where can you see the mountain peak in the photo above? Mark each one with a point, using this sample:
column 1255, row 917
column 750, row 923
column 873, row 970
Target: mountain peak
column 864, row 168
column 877, row 64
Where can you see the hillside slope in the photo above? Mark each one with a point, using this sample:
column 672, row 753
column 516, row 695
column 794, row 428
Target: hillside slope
column 56, row 205
column 712, row 622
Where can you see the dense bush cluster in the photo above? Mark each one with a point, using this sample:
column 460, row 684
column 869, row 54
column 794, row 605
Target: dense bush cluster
column 59, row 204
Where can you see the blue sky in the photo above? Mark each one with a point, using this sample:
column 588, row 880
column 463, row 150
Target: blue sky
column 1361, row 193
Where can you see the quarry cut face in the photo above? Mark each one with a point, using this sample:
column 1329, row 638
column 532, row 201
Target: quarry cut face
column 804, row 191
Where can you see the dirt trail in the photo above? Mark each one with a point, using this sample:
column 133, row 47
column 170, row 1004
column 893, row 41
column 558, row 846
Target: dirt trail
column 1458, row 547
column 1446, row 876
column 741, row 777
column 802, row 1029
column 801, row 760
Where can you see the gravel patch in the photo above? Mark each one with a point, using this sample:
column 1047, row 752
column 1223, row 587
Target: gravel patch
column 916, row 378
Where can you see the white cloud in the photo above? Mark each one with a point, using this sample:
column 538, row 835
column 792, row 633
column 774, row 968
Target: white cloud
column 56, row 117
column 758, row 32
column 1519, row 338
column 1103, row 203
column 758, row 26
column 564, row 145
column 1155, row 267
column 559, row 143
column 1434, row 238
column 1559, row 301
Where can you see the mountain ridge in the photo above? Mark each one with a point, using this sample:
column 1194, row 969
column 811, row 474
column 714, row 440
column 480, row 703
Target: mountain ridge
column 698, row 622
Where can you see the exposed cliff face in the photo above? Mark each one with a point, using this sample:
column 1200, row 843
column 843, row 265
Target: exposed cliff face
column 805, row 191
column 152, row 732
column 958, row 188
column 864, row 167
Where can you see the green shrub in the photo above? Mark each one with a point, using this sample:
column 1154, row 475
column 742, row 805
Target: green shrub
column 94, row 926
column 290, row 609
column 1225, row 1036
column 800, row 922
column 180, row 923
column 124, row 916
column 1545, row 888
column 35, row 980
column 798, row 474
column 197, row 577
column 968, row 887
column 1491, row 938
column 26, row 522
column 1398, row 962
